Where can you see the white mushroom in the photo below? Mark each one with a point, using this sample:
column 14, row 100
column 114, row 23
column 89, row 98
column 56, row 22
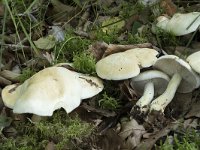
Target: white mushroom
column 194, row 61
column 49, row 90
column 180, row 24
column 90, row 85
column 149, row 84
column 183, row 80
column 124, row 65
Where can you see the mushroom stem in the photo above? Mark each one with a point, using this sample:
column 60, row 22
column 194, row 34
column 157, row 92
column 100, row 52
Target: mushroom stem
column 163, row 100
column 147, row 96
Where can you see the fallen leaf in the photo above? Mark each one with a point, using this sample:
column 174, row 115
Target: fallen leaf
column 110, row 141
column 148, row 144
column 194, row 110
column 169, row 7
column 115, row 48
column 127, row 90
column 45, row 43
column 131, row 133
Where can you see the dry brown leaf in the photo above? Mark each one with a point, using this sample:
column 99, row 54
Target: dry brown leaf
column 110, row 141
column 14, row 77
column 169, row 7
column 149, row 143
column 131, row 133
column 97, row 49
column 50, row 146
column 127, row 90
column 115, row 48
column 194, row 110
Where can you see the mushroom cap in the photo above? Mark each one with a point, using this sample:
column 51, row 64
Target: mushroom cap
column 9, row 95
column 180, row 24
column 44, row 92
column 90, row 85
column 159, row 79
column 118, row 66
column 146, row 56
column 194, row 61
column 124, row 65
column 171, row 64
column 162, row 22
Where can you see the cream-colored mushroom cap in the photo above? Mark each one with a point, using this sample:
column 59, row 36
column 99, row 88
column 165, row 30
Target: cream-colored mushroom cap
column 9, row 95
column 194, row 61
column 181, row 24
column 162, row 22
column 118, row 66
column 124, row 65
column 90, row 85
column 46, row 91
column 146, row 56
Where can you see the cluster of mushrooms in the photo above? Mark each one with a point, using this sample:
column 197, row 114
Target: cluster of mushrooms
column 56, row 87
column 170, row 74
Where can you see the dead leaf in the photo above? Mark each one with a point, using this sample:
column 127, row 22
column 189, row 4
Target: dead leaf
column 115, row 48
column 127, row 90
column 149, row 143
column 194, row 110
column 191, row 123
column 102, row 112
column 4, row 81
column 169, row 7
column 97, row 49
column 110, row 141
column 14, row 77
column 131, row 133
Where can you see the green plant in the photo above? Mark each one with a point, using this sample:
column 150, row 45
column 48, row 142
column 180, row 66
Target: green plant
column 109, row 103
column 26, row 74
column 60, row 129
column 84, row 62
column 188, row 141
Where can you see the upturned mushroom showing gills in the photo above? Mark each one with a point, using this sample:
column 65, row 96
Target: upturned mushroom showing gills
column 124, row 65
column 49, row 90
column 183, row 80
column 148, row 84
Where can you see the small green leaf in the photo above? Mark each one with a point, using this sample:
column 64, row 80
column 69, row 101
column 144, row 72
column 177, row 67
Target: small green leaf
column 45, row 43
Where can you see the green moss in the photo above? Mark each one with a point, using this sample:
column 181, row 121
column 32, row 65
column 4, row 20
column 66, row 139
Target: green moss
column 26, row 74
column 60, row 129
column 73, row 44
column 84, row 63
column 109, row 103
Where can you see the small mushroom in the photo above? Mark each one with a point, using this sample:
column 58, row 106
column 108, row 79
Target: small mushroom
column 183, row 80
column 124, row 65
column 194, row 61
column 49, row 90
column 148, row 84
column 180, row 24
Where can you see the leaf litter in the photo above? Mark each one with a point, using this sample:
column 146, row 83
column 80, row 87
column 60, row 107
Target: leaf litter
column 77, row 19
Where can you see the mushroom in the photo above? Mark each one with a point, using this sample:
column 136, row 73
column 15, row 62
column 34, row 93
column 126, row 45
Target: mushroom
column 194, row 61
column 148, row 84
column 180, row 24
column 183, row 80
column 49, row 90
column 124, row 65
